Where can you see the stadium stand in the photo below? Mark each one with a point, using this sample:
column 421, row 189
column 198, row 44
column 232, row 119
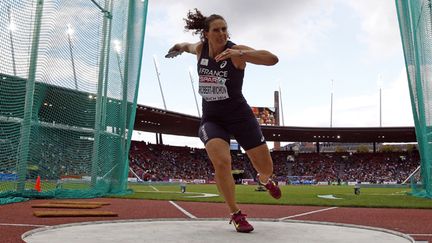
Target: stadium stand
column 155, row 162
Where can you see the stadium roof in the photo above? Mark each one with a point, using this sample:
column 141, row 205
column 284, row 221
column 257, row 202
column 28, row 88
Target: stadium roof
column 157, row 120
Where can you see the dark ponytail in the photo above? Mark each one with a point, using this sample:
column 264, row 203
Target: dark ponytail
column 197, row 22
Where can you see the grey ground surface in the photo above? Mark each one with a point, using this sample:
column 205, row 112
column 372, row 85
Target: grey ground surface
column 210, row 231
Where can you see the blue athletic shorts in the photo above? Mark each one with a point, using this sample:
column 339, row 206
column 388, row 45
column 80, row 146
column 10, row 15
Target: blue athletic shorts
column 247, row 132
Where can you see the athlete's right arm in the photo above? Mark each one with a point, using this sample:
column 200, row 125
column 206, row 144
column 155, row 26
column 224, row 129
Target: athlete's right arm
column 192, row 48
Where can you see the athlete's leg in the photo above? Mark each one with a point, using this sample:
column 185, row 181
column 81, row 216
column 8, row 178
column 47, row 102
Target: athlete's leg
column 219, row 153
column 248, row 134
column 261, row 161
column 216, row 140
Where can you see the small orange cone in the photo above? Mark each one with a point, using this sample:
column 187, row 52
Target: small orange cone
column 37, row 186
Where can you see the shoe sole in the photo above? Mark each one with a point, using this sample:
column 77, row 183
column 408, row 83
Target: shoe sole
column 246, row 231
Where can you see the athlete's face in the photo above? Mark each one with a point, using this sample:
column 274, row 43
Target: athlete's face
column 218, row 32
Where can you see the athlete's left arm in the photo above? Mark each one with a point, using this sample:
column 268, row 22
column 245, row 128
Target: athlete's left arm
column 260, row 57
column 242, row 54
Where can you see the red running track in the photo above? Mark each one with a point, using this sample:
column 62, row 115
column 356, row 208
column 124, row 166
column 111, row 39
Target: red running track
column 17, row 218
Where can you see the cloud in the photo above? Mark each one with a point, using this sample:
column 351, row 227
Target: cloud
column 193, row 142
column 397, row 109
column 379, row 28
column 287, row 27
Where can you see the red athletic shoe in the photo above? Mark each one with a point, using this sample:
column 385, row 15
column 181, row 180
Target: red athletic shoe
column 273, row 189
column 240, row 222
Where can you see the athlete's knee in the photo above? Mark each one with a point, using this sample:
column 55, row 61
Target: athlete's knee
column 222, row 165
column 221, row 161
column 219, row 154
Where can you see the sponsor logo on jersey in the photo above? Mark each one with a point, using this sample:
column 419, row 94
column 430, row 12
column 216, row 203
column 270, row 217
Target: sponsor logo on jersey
column 223, row 64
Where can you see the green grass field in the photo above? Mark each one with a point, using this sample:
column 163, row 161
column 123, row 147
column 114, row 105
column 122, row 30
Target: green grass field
column 291, row 195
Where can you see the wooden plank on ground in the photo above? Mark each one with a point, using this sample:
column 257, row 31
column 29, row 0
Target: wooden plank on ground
column 79, row 202
column 74, row 213
column 49, row 205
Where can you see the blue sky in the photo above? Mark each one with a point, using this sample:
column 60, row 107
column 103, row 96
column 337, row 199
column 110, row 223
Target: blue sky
column 354, row 43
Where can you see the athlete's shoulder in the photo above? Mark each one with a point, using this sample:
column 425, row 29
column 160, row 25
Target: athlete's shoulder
column 199, row 48
column 230, row 44
column 199, row 45
column 241, row 47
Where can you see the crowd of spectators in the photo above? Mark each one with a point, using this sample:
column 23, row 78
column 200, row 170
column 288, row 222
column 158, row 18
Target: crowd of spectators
column 162, row 162
column 53, row 159
column 364, row 167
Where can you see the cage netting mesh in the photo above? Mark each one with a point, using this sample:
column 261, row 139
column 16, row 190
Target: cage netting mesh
column 69, row 77
column 416, row 32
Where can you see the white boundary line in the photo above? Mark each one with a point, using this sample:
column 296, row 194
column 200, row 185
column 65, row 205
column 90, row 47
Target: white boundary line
column 307, row 213
column 197, row 194
column 421, row 234
column 154, row 188
column 24, row 225
column 183, row 210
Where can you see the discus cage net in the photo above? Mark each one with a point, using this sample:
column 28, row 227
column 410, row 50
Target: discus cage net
column 69, row 77
column 415, row 23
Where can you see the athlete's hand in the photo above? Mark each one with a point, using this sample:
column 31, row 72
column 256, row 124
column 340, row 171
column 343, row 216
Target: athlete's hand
column 174, row 51
column 228, row 53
